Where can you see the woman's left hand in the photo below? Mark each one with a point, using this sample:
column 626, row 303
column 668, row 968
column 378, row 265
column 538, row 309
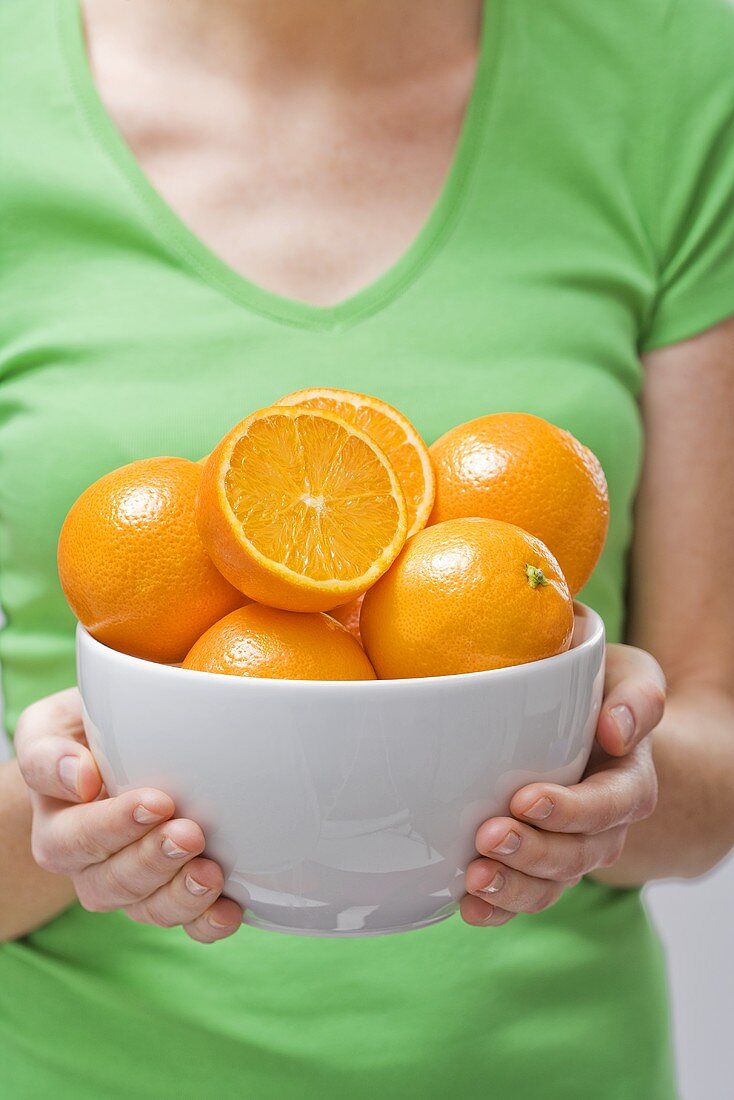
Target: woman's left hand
column 559, row 834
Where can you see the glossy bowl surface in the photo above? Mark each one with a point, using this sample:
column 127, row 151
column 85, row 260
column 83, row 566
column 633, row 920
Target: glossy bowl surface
column 342, row 808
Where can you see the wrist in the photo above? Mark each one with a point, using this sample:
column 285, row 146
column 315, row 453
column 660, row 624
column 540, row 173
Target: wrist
column 29, row 896
column 692, row 828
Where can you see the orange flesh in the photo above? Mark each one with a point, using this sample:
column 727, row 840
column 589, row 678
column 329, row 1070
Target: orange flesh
column 311, row 496
column 416, row 478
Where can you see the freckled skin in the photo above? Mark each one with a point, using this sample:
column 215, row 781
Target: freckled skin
column 458, row 598
column 521, row 469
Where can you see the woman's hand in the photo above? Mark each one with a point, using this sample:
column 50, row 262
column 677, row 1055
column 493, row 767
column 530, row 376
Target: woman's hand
column 559, row 834
column 127, row 852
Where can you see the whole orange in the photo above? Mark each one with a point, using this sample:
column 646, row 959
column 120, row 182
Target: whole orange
column 466, row 595
column 132, row 564
column 284, row 645
column 521, row 469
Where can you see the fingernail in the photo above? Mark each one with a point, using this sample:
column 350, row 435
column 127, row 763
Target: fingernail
column 170, row 848
column 195, row 887
column 542, row 808
column 624, row 720
column 509, row 845
column 218, row 924
column 68, row 768
column 490, row 915
column 144, row 816
column 494, row 885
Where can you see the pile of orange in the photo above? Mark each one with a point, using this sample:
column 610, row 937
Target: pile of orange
column 322, row 539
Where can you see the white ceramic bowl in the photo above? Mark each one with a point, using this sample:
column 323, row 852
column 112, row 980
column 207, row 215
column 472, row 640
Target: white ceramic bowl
column 342, row 808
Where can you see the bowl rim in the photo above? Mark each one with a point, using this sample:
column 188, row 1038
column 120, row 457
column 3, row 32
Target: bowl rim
column 595, row 636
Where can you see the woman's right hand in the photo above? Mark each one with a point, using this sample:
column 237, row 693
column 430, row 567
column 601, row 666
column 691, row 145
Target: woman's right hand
column 128, row 852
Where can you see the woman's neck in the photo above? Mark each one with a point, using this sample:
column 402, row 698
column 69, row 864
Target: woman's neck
column 347, row 41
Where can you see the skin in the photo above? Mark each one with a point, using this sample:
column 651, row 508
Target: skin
column 315, row 202
column 382, row 88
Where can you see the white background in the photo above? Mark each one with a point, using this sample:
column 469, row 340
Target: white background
column 696, row 922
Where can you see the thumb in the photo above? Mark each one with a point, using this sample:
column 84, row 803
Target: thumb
column 634, row 699
column 51, row 749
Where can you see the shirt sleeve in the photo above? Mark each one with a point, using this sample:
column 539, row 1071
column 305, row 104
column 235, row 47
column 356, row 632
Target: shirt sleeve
column 691, row 175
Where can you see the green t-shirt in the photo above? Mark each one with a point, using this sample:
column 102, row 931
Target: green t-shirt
column 589, row 214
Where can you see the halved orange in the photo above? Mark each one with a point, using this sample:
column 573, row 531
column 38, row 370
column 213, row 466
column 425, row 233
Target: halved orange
column 391, row 431
column 300, row 510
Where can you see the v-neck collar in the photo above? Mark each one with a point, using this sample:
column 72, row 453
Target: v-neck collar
column 192, row 249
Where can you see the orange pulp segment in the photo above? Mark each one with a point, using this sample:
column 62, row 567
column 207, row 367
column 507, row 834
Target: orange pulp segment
column 300, row 510
column 393, row 432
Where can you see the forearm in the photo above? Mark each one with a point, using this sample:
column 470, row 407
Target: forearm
column 29, row 897
column 692, row 827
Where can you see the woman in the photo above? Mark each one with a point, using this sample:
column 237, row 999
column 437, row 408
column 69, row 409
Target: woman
column 460, row 207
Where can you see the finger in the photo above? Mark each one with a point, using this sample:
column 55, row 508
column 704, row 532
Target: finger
column 221, row 920
column 481, row 913
column 509, row 889
column 141, row 868
column 189, row 894
column 67, row 839
column 554, row 856
column 621, row 791
column 51, row 750
column 634, row 699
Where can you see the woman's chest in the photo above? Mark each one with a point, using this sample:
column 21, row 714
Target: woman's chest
column 123, row 334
